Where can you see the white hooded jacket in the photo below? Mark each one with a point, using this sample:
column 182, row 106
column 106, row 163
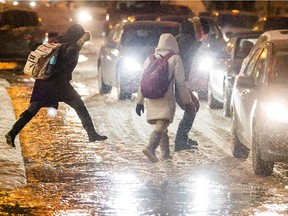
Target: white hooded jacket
column 164, row 108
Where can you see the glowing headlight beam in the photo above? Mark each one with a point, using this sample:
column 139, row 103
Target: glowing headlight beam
column 84, row 16
column 205, row 64
column 276, row 111
column 131, row 65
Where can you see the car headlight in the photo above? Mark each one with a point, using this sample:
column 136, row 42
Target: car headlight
column 84, row 16
column 205, row 64
column 276, row 111
column 131, row 64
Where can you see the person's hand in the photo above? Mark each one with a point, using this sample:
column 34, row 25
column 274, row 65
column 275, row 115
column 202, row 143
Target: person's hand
column 83, row 39
column 139, row 109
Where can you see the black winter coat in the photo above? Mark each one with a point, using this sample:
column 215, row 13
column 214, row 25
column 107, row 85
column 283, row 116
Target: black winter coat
column 188, row 45
column 58, row 88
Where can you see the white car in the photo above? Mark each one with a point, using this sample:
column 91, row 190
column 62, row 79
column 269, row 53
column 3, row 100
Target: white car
column 124, row 51
column 260, row 108
column 266, row 36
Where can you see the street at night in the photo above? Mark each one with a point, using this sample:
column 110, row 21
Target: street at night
column 66, row 175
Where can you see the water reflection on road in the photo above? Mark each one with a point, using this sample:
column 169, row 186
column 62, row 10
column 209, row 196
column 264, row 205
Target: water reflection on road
column 69, row 176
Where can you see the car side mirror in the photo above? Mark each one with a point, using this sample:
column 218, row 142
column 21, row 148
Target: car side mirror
column 245, row 82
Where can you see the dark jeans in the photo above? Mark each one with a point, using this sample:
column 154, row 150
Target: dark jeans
column 76, row 103
column 184, row 127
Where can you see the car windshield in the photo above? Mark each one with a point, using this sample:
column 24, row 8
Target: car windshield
column 146, row 36
column 239, row 21
column 280, row 69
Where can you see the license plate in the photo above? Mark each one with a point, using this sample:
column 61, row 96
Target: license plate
column 7, row 65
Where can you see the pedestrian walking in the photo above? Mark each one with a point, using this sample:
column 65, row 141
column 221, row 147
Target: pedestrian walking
column 161, row 111
column 188, row 41
column 57, row 88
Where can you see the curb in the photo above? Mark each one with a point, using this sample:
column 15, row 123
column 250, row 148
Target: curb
column 12, row 169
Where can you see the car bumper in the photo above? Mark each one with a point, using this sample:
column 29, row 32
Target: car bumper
column 274, row 142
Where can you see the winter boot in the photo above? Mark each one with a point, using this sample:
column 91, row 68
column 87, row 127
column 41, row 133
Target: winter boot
column 25, row 117
column 149, row 150
column 89, row 127
column 164, row 146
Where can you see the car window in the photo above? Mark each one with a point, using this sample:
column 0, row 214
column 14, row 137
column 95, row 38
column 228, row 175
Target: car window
column 260, row 66
column 16, row 18
column 279, row 65
column 114, row 36
column 145, row 36
column 244, row 47
column 250, row 66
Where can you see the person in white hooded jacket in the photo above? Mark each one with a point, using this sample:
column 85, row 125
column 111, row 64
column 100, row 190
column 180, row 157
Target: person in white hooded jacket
column 161, row 111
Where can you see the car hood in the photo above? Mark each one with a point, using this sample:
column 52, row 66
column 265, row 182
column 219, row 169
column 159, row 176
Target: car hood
column 139, row 53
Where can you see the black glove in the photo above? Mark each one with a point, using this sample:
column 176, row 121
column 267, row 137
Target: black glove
column 139, row 108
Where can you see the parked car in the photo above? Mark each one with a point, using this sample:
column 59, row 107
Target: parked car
column 20, row 32
column 271, row 23
column 222, row 74
column 122, row 55
column 211, row 49
column 260, row 108
column 266, row 36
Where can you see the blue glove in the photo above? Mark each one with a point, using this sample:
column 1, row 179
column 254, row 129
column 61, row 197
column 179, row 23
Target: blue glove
column 139, row 109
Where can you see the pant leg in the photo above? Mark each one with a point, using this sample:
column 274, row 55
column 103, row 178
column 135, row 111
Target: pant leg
column 78, row 105
column 24, row 118
column 184, row 128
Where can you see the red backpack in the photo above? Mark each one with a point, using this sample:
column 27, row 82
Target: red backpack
column 155, row 79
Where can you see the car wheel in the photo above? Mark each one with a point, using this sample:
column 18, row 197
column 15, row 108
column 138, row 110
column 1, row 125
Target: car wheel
column 202, row 95
column 103, row 88
column 226, row 102
column 237, row 148
column 212, row 102
column 260, row 167
column 122, row 91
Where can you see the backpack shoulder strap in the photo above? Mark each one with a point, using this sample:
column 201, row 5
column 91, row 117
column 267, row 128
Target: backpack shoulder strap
column 166, row 57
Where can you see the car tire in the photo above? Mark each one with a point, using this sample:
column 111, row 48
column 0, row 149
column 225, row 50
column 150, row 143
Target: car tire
column 122, row 89
column 212, row 102
column 202, row 95
column 237, row 148
column 226, row 102
column 103, row 88
column 260, row 167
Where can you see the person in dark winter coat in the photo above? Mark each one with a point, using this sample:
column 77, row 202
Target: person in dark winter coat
column 57, row 88
column 188, row 42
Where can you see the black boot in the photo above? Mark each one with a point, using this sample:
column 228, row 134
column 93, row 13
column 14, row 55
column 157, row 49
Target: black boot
column 25, row 117
column 89, row 127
